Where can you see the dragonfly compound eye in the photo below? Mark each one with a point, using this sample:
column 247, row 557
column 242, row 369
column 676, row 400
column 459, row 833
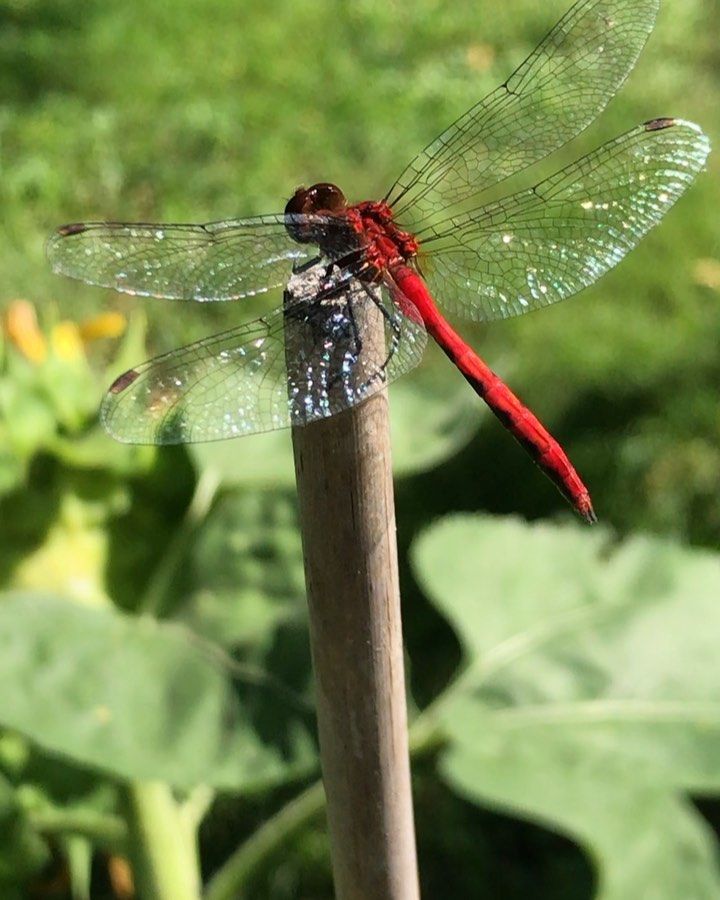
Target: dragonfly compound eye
column 320, row 199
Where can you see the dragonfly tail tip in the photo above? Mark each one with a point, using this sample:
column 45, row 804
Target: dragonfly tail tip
column 588, row 513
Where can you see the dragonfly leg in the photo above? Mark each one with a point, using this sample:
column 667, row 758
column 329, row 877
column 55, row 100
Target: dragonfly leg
column 394, row 340
column 298, row 270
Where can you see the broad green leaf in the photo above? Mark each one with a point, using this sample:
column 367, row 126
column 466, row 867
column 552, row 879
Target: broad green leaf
column 246, row 571
column 134, row 697
column 590, row 700
column 433, row 415
column 247, row 593
column 261, row 460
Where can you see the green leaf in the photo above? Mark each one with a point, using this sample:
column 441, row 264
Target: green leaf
column 246, row 571
column 261, row 460
column 590, row 701
column 134, row 697
column 433, row 414
column 247, row 593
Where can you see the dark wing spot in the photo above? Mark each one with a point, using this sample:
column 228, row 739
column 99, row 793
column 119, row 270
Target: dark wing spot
column 659, row 124
column 123, row 381
column 73, row 228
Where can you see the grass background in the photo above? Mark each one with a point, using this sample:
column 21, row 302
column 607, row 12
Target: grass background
column 189, row 112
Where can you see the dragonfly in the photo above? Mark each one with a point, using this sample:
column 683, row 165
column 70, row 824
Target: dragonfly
column 443, row 230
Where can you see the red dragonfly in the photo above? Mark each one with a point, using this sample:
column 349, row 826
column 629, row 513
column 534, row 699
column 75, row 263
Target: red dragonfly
column 432, row 235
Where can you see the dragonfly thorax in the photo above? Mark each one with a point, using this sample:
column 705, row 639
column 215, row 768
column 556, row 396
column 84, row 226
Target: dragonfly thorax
column 387, row 244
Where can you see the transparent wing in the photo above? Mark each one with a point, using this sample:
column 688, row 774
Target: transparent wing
column 559, row 89
column 217, row 261
column 541, row 245
column 302, row 363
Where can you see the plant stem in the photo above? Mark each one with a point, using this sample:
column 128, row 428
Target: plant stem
column 205, row 492
column 164, row 834
column 162, row 848
column 194, row 808
column 229, row 881
column 100, row 828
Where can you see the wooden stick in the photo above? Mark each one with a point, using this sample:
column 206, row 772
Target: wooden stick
column 347, row 517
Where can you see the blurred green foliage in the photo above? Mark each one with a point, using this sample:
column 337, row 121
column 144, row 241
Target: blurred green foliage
column 559, row 677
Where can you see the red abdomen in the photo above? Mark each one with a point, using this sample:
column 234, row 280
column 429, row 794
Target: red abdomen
column 514, row 415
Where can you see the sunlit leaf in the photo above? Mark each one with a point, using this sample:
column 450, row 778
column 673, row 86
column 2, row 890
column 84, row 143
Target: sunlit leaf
column 590, row 701
column 131, row 696
column 246, row 570
column 433, row 414
column 246, row 592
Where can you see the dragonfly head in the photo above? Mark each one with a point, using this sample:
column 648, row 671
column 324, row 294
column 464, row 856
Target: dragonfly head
column 320, row 199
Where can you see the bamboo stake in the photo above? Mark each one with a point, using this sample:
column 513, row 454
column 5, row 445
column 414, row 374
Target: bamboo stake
column 347, row 518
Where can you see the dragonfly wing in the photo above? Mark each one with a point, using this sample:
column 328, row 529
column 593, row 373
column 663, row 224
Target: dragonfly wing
column 541, row 245
column 552, row 96
column 300, row 364
column 217, row 261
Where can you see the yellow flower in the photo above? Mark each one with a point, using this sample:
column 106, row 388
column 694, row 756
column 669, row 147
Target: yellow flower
column 21, row 327
column 66, row 342
column 106, row 325
column 67, row 339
